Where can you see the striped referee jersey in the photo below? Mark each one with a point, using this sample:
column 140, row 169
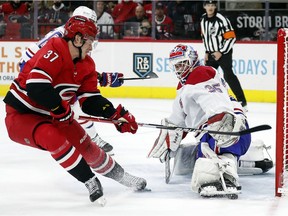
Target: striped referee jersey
column 217, row 33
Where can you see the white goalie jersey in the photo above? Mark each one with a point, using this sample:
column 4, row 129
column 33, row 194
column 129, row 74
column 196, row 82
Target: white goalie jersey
column 202, row 95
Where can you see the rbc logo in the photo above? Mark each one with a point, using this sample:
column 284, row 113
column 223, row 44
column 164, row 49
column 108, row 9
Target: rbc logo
column 142, row 63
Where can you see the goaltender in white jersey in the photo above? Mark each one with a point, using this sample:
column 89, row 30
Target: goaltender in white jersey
column 203, row 101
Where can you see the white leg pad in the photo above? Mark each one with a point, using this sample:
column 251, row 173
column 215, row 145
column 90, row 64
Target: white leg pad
column 185, row 158
column 205, row 171
column 231, row 166
column 255, row 152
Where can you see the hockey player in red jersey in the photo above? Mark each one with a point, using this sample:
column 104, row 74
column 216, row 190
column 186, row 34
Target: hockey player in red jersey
column 105, row 78
column 38, row 113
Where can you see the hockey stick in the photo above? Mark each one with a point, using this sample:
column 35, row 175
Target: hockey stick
column 238, row 133
column 167, row 167
column 151, row 75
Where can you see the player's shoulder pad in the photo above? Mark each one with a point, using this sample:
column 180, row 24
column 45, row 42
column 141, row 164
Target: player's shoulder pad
column 59, row 44
column 200, row 74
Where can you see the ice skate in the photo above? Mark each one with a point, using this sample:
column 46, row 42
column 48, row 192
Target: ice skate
column 137, row 183
column 215, row 189
column 103, row 144
column 95, row 191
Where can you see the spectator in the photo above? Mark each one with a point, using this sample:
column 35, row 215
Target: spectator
column 164, row 24
column 122, row 12
column 110, row 5
column 139, row 15
column 104, row 20
column 148, row 8
column 43, row 12
column 15, row 13
column 145, row 28
column 58, row 13
column 132, row 25
column 186, row 18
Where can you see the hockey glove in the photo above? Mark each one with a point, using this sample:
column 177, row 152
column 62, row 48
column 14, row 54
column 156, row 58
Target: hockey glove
column 167, row 140
column 127, row 120
column 62, row 115
column 226, row 122
column 111, row 79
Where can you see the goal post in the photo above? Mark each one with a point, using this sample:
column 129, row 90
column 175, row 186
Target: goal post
column 281, row 172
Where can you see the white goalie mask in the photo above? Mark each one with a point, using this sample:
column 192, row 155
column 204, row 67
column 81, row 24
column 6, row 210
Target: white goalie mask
column 86, row 12
column 182, row 59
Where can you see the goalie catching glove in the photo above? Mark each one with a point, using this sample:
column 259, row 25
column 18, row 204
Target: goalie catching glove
column 166, row 141
column 126, row 121
column 111, row 79
column 226, row 122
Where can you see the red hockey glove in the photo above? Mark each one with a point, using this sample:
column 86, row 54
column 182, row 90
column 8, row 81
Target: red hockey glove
column 111, row 79
column 62, row 115
column 128, row 123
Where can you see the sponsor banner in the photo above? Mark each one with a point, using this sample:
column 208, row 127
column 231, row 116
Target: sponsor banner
column 142, row 63
column 254, row 64
column 10, row 54
column 251, row 25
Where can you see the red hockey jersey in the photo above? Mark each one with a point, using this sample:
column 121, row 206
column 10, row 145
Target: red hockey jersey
column 53, row 65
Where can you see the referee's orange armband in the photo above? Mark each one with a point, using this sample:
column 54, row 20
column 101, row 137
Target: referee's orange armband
column 230, row 34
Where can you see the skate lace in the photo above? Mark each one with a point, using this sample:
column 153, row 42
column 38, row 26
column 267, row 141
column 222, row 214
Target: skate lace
column 133, row 181
column 93, row 185
column 100, row 142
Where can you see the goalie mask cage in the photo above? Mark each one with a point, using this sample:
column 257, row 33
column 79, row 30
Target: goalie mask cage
column 281, row 173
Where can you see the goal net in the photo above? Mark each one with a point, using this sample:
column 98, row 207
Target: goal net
column 281, row 176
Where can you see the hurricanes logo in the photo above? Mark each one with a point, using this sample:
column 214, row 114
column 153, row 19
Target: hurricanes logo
column 142, row 63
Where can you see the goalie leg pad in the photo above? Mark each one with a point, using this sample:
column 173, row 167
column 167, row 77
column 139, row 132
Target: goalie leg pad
column 205, row 171
column 255, row 161
column 185, row 159
column 230, row 168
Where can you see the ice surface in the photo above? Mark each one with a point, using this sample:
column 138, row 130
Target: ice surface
column 32, row 183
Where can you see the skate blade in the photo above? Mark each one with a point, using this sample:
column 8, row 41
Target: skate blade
column 228, row 194
column 231, row 194
column 101, row 201
column 143, row 190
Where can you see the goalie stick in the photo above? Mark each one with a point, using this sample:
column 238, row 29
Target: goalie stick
column 151, row 75
column 238, row 133
column 168, row 172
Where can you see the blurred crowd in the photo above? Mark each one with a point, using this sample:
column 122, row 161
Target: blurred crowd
column 117, row 19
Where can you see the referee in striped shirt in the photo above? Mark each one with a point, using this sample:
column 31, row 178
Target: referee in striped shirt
column 219, row 37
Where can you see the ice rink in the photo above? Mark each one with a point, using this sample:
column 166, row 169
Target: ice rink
column 33, row 184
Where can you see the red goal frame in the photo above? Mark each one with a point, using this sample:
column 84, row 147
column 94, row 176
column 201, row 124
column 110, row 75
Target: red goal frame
column 281, row 172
